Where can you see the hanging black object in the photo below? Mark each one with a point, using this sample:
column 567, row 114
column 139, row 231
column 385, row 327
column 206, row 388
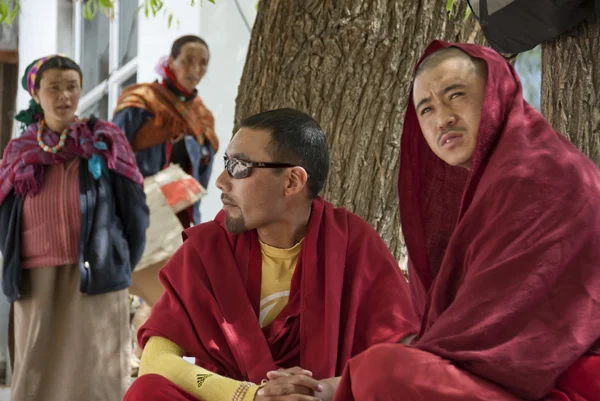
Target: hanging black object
column 515, row 26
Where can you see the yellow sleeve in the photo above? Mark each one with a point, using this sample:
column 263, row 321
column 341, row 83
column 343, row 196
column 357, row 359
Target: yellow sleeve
column 165, row 358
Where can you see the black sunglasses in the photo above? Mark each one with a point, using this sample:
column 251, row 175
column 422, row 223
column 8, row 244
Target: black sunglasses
column 238, row 169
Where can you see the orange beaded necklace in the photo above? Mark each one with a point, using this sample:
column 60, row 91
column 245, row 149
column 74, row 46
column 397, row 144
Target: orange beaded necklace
column 40, row 139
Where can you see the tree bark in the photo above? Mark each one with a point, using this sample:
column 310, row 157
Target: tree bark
column 348, row 63
column 571, row 87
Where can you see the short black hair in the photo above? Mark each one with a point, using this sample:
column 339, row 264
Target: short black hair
column 60, row 62
column 438, row 56
column 184, row 40
column 296, row 138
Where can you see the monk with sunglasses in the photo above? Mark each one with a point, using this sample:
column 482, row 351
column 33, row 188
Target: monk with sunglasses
column 275, row 295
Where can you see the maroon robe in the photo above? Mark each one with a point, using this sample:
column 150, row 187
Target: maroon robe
column 347, row 294
column 504, row 262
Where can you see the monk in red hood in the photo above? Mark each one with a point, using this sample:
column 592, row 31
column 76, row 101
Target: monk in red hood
column 279, row 280
column 502, row 221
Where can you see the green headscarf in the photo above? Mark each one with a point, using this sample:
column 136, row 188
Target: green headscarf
column 34, row 112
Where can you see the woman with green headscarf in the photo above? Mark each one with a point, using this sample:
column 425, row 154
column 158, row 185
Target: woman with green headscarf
column 72, row 227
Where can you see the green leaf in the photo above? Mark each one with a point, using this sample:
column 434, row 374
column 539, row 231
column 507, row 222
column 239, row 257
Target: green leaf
column 8, row 11
column 156, row 6
column 170, row 20
column 90, row 9
column 94, row 7
column 3, row 11
column 449, row 5
column 87, row 12
column 467, row 14
column 106, row 3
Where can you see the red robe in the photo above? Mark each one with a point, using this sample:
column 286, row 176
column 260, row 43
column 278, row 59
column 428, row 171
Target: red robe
column 347, row 294
column 505, row 258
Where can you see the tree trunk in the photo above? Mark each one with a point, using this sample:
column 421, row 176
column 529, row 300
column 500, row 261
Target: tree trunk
column 349, row 64
column 571, row 87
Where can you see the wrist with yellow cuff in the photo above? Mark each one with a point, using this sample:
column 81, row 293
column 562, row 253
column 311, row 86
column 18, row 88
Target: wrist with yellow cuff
column 214, row 387
column 164, row 358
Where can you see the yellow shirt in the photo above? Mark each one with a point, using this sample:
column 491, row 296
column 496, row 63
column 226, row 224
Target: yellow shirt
column 278, row 267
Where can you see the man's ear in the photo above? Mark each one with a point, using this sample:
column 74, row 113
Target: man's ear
column 297, row 179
